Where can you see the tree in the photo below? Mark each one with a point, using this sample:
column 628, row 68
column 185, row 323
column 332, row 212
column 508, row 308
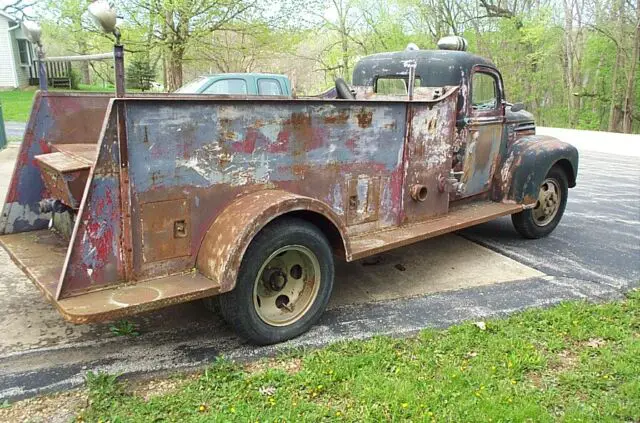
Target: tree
column 176, row 25
column 19, row 8
column 140, row 74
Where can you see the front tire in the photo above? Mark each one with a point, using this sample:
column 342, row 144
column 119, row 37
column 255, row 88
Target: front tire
column 545, row 216
column 284, row 283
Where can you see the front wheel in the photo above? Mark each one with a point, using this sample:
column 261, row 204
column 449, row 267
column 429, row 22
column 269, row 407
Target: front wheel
column 541, row 220
column 284, row 283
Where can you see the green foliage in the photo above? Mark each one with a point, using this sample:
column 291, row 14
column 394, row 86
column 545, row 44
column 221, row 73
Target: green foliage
column 140, row 73
column 574, row 362
column 124, row 328
column 314, row 41
column 75, row 78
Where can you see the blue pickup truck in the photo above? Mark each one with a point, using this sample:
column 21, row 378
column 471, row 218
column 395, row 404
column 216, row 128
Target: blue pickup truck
column 263, row 84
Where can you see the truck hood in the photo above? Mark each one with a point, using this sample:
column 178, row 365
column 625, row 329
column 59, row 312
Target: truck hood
column 521, row 120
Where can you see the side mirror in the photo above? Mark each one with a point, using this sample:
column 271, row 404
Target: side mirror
column 516, row 107
column 104, row 15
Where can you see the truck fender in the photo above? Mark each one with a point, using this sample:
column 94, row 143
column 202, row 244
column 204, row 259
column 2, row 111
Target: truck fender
column 229, row 236
column 526, row 164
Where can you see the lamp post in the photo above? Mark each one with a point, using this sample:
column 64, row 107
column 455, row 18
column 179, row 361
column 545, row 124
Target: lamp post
column 106, row 18
column 33, row 32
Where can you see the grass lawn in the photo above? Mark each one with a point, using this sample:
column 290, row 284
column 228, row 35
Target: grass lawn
column 575, row 362
column 16, row 104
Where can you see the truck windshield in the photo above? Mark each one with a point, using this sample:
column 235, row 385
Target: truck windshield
column 193, row 86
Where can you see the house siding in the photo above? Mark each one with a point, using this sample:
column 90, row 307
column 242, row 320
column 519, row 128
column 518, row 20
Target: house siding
column 7, row 72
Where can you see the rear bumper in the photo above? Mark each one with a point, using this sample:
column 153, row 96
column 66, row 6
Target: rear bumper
column 41, row 254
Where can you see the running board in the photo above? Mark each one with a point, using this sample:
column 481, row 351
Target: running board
column 456, row 219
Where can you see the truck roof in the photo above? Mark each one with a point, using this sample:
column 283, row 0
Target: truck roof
column 434, row 67
column 245, row 74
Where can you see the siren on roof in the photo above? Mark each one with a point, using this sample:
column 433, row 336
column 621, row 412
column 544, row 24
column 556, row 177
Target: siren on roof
column 452, row 42
column 412, row 47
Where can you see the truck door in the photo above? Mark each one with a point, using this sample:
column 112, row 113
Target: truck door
column 484, row 131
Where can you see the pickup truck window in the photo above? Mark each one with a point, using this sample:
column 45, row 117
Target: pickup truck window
column 193, row 86
column 393, row 86
column 484, row 92
column 269, row 86
column 227, row 86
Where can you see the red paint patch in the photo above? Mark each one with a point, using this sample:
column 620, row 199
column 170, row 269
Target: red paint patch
column 351, row 143
column 248, row 145
column 319, row 136
column 282, row 143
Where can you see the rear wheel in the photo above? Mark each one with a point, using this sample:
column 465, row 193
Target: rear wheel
column 541, row 220
column 284, row 283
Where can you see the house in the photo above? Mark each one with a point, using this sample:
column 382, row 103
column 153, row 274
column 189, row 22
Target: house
column 16, row 54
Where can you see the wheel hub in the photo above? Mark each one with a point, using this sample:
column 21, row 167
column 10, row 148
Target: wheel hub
column 548, row 203
column 286, row 285
column 275, row 279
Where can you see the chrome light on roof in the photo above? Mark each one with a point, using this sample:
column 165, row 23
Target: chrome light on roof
column 452, row 42
column 412, row 47
column 32, row 31
column 103, row 15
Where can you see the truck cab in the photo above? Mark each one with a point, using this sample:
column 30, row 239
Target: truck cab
column 486, row 124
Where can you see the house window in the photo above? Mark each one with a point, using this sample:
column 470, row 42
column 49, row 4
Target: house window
column 24, row 48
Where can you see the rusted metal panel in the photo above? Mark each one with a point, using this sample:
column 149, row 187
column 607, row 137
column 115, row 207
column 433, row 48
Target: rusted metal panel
column 40, row 255
column 64, row 177
column 166, row 230
column 212, row 151
column 481, row 150
column 428, row 155
column 21, row 210
column 116, row 302
column 363, row 199
column 56, row 118
column 126, row 243
column 229, row 236
column 526, row 164
column 456, row 219
column 95, row 258
column 85, row 152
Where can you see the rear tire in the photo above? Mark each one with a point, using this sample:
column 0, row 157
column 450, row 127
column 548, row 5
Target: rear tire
column 284, row 283
column 552, row 199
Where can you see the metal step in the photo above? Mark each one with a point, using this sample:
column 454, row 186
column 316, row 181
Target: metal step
column 41, row 254
column 457, row 218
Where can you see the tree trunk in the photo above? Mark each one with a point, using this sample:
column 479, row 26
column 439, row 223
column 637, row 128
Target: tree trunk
column 174, row 71
column 84, row 66
column 614, row 115
column 568, row 57
column 627, row 109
